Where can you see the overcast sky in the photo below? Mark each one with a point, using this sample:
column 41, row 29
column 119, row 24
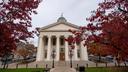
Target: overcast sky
column 75, row 11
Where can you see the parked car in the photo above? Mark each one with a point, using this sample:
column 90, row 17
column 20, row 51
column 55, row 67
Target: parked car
column 103, row 59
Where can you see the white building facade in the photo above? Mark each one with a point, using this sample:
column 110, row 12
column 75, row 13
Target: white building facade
column 52, row 38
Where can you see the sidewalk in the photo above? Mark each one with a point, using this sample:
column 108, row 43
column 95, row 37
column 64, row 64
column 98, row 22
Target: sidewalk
column 63, row 69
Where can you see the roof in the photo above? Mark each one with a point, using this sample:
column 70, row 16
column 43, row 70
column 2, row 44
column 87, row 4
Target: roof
column 60, row 20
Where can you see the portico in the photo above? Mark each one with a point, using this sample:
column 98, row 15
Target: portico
column 52, row 37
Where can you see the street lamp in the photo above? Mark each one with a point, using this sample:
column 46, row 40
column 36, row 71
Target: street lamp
column 70, row 55
column 53, row 57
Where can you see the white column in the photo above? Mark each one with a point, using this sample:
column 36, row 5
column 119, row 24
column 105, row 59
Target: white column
column 40, row 50
column 57, row 48
column 75, row 52
column 49, row 48
column 66, row 50
column 84, row 54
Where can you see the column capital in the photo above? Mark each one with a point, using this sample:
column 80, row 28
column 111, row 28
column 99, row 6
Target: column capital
column 49, row 36
column 57, row 36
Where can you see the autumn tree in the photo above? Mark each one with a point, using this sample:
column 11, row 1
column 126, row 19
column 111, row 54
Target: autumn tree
column 109, row 27
column 15, row 19
column 31, row 48
column 25, row 51
column 99, row 50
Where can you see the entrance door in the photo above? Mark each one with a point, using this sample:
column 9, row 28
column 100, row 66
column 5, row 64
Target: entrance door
column 62, row 57
column 62, row 54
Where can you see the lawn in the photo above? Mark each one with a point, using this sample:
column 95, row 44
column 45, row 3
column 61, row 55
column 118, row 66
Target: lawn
column 90, row 69
column 23, row 70
column 96, row 69
column 109, row 69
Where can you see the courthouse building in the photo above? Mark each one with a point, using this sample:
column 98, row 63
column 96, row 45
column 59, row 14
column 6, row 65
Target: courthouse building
column 52, row 38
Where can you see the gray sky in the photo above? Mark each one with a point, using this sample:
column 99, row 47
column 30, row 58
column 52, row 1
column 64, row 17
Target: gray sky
column 75, row 11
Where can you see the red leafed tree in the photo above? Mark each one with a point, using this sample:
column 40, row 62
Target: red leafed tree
column 109, row 27
column 15, row 19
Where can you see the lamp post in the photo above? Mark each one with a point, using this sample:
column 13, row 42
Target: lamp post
column 53, row 57
column 70, row 55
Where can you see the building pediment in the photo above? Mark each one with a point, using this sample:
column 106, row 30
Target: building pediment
column 60, row 26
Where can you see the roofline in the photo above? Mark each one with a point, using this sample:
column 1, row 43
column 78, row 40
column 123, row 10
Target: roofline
column 57, row 23
column 56, row 31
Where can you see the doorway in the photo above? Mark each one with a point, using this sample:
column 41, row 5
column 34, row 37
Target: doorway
column 62, row 54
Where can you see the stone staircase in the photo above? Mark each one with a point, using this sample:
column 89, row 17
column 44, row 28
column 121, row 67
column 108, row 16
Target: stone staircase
column 62, row 66
column 61, row 63
column 63, row 69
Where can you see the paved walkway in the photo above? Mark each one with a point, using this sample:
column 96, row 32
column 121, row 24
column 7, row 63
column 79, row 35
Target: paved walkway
column 63, row 69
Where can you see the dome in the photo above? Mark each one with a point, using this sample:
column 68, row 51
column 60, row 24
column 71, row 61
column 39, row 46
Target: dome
column 61, row 19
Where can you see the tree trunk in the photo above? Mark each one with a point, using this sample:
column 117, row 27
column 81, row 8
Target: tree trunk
column 118, row 59
column 5, row 63
column 99, row 57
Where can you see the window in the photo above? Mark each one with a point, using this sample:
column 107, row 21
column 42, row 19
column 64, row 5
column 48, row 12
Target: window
column 54, row 41
column 45, row 54
column 70, row 38
column 46, row 41
column 62, row 41
column 62, row 50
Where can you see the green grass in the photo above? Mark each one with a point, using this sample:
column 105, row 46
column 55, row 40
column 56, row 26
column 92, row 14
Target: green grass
column 96, row 69
column 90, row 69
column 109, row 69
column 23, row 70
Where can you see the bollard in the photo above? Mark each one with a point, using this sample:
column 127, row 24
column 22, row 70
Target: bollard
column 46, row 68
column 106, row 64
column 16, row 66
column 27, row 65
column 125, row 64
column 87, row 65
column 36, row 65
column 77, row 67
column 115, row 64
column 96, row 64
column 118, row 64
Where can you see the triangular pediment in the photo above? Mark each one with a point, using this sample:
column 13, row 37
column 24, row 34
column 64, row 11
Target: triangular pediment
column 59, row 27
